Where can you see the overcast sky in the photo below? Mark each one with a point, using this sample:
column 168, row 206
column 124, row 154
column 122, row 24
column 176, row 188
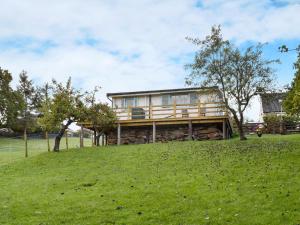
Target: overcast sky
column 136, row 44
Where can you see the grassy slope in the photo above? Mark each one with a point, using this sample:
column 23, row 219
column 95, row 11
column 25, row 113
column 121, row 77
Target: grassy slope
column 221, row 182
column 12, row 150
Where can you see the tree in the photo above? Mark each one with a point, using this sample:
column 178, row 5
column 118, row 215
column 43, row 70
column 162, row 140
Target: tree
column 10, row 101
column 100, row 115
column 291, row 103
column 30, row 96
column 66, row 107
column 239, row 75
column 44, row 120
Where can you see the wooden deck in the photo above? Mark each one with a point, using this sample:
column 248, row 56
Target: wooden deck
column 175, row 114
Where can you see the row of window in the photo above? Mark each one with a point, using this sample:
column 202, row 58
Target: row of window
column 168, row 99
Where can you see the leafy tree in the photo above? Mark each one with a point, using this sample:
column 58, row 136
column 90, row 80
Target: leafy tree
column 30, row 96
column 239, row 75
column 100, row 115
column 44, row 119
column 66, row 107
column 291, row 103
column 10, row 101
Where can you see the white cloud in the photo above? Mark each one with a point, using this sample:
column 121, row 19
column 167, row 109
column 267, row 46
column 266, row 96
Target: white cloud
column 153, row 30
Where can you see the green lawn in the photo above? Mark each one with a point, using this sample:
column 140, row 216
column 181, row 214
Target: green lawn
column 12, row 149
column 212, row 182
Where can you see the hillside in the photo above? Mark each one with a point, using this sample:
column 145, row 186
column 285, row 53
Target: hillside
column 220, row 182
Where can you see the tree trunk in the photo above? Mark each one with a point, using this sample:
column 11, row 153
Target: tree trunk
column 67, row 142
column 98, row 138
column 239, row 124
column 26, row 144
column 241, row 131
column 60, row 135
column 95, row 137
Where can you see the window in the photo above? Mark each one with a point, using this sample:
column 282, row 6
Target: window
column 166, row 100
column 193, row 98
column 182, row 99
column 129, row 102
column 214, row 98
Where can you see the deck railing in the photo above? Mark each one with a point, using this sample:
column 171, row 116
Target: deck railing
column 172, row 111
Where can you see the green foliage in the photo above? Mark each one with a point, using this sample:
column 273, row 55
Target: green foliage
column 45, row 119
column 273, row 121
column 292, row 102
column 66, row 105
column 209, row 182
column 271, row 118
column 10, row 101
column 239, row 75
column 101, row 116
column 27, row 118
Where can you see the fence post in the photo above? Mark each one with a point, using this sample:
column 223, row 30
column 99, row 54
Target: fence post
column 67, row 141
column 48, row 142
column 26, row 144
column 81, row 137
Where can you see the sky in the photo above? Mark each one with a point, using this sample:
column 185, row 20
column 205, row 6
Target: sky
column 137, row 45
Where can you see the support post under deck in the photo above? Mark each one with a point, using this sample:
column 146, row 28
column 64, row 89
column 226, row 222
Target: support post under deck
column 224, row 130
column 154, row 133
column 190, row 130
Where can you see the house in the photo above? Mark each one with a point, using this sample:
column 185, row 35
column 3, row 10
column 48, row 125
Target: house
column 271, row 103
column 165, row 115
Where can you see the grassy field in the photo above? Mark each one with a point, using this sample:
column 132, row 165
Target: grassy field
column 211, row 182
column 12, row 149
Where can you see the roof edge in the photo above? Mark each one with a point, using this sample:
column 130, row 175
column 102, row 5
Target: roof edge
column 160, row 91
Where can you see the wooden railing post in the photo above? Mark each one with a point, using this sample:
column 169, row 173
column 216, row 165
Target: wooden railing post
column 225, row 111
column 129, row 108
column 174, row 108
column 150, row 111
column 150, row 107
column 119, row 134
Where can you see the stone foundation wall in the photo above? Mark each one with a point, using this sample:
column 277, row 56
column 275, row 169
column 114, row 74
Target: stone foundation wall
column 165, row 133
